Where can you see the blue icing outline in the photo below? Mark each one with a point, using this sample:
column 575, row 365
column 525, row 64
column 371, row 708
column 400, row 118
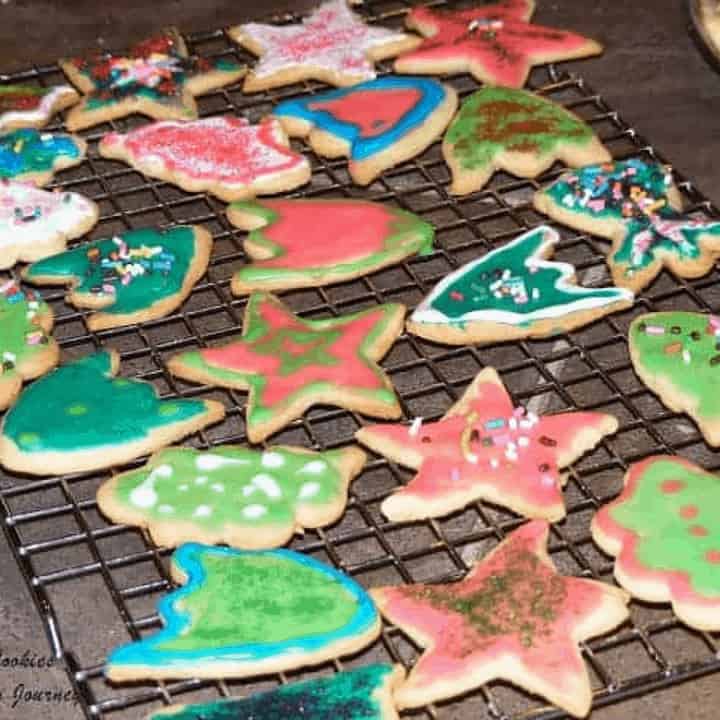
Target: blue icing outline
column 188, row 558
column 432, row 95
column 50, row 145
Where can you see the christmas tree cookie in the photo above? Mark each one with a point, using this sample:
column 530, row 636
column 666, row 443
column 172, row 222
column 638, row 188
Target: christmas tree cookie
column 81, row 417
column 500, row 128
column 376, row 124
column 664, row 534
column 306, row 243
column 28, row 155
column 495, row 42
column 332, row 45
column 35, row 223
column 635, row 205
column 27, row 350
column 511, row 293
column 129, row 278
column 677, row 355
column 246, row 498
column 289, row 364
column 225, row 156
column 486, row 448
column 29, row 106
column 513, row 617
column 361, row 694
column 243, row 613
column 157, row 77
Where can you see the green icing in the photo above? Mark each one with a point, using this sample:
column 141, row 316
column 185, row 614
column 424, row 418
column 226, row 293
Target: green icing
column 513, row 285
column 21, row 335
column 262, row 599
column 683, row 349
column 131, row 272
column 232, row 486
column 344, row 696
column 497, row 119
column 673, row 511
column 79, row 406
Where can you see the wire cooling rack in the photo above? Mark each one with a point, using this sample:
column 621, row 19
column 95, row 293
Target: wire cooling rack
column 96, row 584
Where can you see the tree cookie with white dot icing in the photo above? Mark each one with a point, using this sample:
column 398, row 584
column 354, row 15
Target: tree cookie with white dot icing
column 250, row 499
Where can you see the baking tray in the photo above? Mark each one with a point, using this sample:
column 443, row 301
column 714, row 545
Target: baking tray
column 96, row 584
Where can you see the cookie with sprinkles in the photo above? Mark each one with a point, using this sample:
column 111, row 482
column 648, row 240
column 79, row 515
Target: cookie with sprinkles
column 376, row 124
column 677, row 355
column 332, row 45
column 361, row 694
column 636, row 205
column 27, row 349
column 511, row 293
column 29, row 106
column 499, row 128
column 81, row 417
column 485, row 448
column 289, row 364
column 664, row 535
column 512, row 617
column 242, row 613
column 250, row 499
column 495, row 42
column 225, row 156
column 35, row 223
column 129, row 278
column 157, row 77
column 32, row 156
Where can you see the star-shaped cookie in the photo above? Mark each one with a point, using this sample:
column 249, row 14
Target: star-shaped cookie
column 486, row 448
column 289, row 364
column 512, row 617
column 156, row 77
column 332, row 45
column 495, row 43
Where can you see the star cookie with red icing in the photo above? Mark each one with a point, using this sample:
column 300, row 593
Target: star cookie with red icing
column 332, row 45
column 288, row 363
column 496, row 43
column 486, row 448
column 513, row 617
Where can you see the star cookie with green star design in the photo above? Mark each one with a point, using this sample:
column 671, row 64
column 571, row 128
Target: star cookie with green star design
column 157, row 77
column 289, row 364
column 513, row 617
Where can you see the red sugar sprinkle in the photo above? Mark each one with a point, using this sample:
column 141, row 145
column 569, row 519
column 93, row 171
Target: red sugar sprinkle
column 713, row 556
column 672, row 486
column 455, row 295
column 689, row 512
column 698, row 531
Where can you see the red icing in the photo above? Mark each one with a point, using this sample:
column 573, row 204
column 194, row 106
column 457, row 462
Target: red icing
column 459, row 653
column 325, row 232
column 347, row 366
column 526, row 478
column 225, row 149
column 688, row 512
column 713, row 556
column 503, row 44
column 372, row 111
column 698, row 531
column 672, row 486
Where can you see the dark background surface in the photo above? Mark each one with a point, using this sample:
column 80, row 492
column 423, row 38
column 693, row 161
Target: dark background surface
column 651, row 72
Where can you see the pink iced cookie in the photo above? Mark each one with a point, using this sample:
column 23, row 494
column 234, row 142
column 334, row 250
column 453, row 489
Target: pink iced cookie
column 225, row 156
column 512, row 617
column 486, row 448
column 664, row 534
column 496, row 43
column 332, row 45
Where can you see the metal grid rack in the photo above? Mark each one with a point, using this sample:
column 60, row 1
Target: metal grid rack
column 96, row 584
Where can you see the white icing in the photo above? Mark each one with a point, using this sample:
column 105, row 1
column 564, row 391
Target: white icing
column 248, row 490
column 201, row 480
column 267, row 484
column 202, row 511
column 209, row 461
column 424, row 313
column 166, row 509
column 332, row 38
column 217, row 487
column 144, row 495
column 272, row 460
column 314, row 467
column 254, row 511
column 309, row 489
column 40, row 115
column 184, row 487
column 60, row 214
